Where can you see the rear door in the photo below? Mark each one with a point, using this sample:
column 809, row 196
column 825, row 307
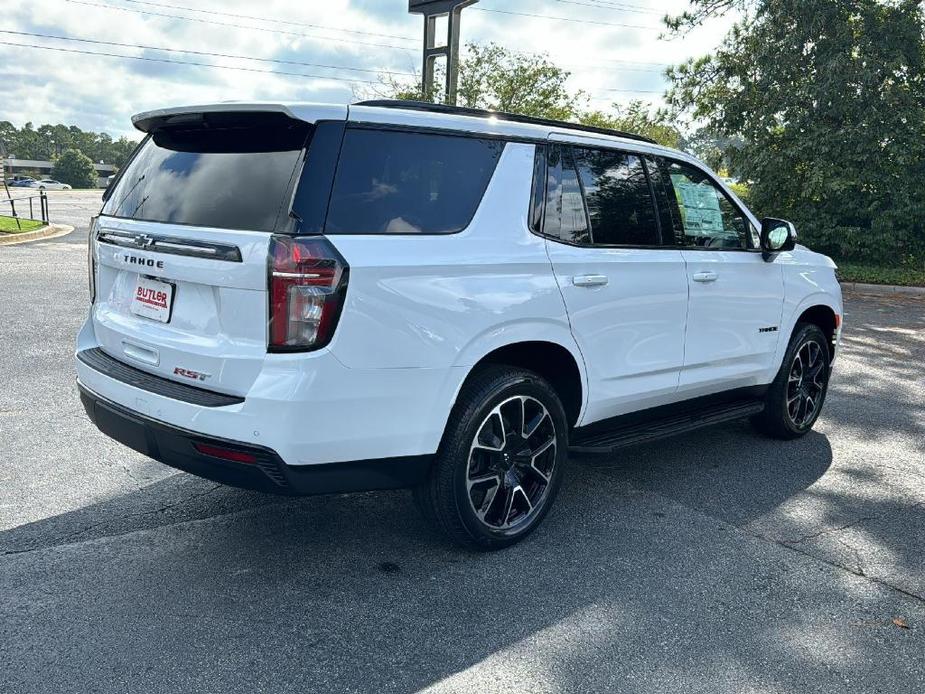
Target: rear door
column 736, row 298
column 182, row 246
column 625, row 294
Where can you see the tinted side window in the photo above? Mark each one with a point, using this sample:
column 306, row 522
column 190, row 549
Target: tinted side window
column 566, row 219
column 708, row 218
column 310, row 204
column 391, row 182
column 616, row 191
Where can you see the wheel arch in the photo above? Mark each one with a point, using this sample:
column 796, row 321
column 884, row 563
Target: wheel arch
column 562, row 366
column 825, row 318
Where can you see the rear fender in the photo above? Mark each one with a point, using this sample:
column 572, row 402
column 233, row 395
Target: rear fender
column 507, row 334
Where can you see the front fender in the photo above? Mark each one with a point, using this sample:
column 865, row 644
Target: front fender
column 795, row 310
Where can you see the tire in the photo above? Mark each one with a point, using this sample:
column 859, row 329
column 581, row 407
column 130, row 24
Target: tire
column 803, row 379
column 486, row 490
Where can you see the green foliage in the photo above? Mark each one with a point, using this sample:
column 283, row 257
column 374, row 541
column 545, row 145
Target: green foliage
column 828, row 100
column 8, row 225
column 639, row 118
column 702, row 10
column 47, row 141
column 743, row 191
column 75, row 169
column 497, row 79
column 875, row 274
column 716, row 151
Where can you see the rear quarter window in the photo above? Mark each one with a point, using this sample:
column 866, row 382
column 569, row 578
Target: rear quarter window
column 396, row 182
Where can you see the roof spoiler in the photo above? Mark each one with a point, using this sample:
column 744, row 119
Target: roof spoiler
column 149, row 121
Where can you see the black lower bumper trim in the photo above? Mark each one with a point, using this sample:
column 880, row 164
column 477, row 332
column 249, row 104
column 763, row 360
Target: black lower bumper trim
column 98, row 360
column 176, row 447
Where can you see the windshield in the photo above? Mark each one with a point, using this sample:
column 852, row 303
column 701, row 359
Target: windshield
column 230, row 177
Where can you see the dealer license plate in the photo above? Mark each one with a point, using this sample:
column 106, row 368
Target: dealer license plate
column 153, row 299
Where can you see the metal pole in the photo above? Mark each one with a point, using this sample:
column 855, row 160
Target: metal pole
column 430, row 57
column 5, row 186
column 452, row 56
column 432, row 9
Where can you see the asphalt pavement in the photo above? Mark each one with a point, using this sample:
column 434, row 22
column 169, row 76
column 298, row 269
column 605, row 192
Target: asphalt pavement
column 716, row 562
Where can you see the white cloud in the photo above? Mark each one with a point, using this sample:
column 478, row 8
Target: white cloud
column 100, row 93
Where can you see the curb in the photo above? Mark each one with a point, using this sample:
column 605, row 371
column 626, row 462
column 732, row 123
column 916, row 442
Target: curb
column 49, row 232
column 882, row 289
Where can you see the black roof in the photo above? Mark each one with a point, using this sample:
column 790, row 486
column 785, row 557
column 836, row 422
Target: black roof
column 500, row 115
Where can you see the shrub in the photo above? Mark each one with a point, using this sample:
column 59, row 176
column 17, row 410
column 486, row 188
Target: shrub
column 75, row 169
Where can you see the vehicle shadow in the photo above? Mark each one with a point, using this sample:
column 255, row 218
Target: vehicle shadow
column 621, row 588
column 704, row 470
column 653, row 573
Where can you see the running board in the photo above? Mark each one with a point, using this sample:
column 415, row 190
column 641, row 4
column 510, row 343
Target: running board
column 602, row 442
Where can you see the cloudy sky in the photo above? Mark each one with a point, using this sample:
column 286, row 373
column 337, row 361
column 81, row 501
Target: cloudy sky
column 335, row 51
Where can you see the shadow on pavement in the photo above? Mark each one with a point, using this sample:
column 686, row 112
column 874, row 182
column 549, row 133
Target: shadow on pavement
column 354, row 593
column 705, row 470
column 639, row 581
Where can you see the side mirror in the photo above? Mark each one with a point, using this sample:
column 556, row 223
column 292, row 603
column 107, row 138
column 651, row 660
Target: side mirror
column 777, row 236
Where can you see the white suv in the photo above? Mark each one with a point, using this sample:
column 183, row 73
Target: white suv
column 307, row 299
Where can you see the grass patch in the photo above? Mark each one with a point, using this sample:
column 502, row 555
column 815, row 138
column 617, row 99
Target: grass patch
column 875, row 274
column 8, row 225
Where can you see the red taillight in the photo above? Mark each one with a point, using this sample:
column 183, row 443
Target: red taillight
column 91, row 259
column 308, row 281
column 225, row 453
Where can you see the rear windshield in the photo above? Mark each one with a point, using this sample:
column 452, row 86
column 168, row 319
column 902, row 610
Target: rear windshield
column 391, row 182
column 231, row 178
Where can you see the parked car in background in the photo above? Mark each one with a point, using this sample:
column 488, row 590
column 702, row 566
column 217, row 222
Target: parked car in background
column 21, row 182
column 49, row 184
column 413, row 295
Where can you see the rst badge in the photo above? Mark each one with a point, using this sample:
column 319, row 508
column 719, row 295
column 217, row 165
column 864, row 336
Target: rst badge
column 190, row 374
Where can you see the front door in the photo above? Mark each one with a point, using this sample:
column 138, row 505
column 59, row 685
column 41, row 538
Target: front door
column 736, row 298
column 626, row 296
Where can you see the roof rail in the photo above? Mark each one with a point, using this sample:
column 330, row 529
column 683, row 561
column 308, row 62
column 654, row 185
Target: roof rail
column 500, row 115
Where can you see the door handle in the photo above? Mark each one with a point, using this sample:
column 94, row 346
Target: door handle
column 590, row 280
column 707, row 276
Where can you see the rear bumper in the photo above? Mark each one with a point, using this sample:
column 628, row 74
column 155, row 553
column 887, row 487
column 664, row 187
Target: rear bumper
column 308, row 408
column 175, row 447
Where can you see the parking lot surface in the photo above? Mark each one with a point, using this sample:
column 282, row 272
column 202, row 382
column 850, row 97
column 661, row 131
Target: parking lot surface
column 716, row 562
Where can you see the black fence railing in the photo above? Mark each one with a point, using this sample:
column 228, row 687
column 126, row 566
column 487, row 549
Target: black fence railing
column 17, row 207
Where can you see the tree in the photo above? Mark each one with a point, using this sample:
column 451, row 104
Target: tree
column 48, row 141
column 75, row 169
column 118, row 152
column 498, row 79
column 828, row 98
column 716, row 151
column 639, row 118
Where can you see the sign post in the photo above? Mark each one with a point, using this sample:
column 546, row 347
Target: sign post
column 432, row 9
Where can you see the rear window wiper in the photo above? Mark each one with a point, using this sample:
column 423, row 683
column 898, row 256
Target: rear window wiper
column 138, row 206
column 127, row 193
